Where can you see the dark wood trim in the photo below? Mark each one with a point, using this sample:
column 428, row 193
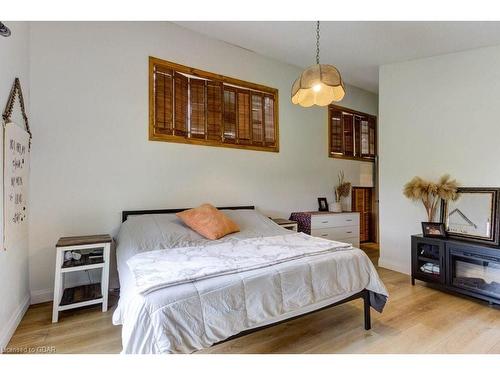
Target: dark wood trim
column 364, row 294
column 353, row 111
column 126, row 214
column 495, row 229
column 358, row 158
column 336, row 155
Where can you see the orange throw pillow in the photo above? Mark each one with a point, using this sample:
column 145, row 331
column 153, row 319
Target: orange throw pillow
column 208, row 221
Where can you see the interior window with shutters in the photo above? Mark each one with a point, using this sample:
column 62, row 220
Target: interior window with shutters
column 187, row 105
column 352, row 134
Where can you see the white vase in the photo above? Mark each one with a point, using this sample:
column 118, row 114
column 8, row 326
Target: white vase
column 335, row 207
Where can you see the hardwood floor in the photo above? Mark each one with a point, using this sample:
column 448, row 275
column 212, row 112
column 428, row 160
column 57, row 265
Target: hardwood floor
column 372, row 250
column 416, row 320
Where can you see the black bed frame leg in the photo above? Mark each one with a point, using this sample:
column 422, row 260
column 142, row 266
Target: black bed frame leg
column 366, row 303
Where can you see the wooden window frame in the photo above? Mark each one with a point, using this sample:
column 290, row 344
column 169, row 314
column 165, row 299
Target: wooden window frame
column 226, row 82
column 340, row 155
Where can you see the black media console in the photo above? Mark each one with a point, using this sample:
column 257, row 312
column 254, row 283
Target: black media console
column 457, row 266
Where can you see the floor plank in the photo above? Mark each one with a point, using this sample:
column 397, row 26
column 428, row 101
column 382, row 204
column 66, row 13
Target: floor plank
column 417, row 319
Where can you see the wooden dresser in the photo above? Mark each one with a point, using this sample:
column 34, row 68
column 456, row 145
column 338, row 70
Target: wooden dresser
column 343, row 227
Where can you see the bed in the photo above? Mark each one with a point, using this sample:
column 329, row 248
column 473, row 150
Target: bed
column 162, row 312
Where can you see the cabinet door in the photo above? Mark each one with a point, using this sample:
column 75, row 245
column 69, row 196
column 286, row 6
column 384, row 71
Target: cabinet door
column 364, row 135
column 348, row 128
column 372, row 138
column 357, row 136
column 362, row 203
column 336, row 138
column 428, row 259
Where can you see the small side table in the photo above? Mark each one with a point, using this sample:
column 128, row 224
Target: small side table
column 94, row 251
column 287, row 224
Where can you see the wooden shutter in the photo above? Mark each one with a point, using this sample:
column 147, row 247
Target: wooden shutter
column 214, row 110
column 181, row 104
column 197, row 103
column 361, row 202
column 365, row 135
column 229, row 114
column 348, row 123
column 269, row 127
column 244, row 130
column 372, row 135
column 257, row 119
column 163, row 101
column 336, row 132
column 357, row 136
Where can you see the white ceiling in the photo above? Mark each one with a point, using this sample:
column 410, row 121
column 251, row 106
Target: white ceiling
column 356, row 48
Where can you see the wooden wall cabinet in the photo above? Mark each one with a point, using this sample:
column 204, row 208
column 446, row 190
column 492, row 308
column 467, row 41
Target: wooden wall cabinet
column 352, row 134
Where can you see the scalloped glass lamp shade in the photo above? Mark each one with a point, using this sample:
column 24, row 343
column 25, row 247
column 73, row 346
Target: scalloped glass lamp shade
column 320, row 84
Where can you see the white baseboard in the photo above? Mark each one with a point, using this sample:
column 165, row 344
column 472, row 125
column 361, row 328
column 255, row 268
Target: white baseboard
column 40, row 296
column 402, row 268
column 8, row 329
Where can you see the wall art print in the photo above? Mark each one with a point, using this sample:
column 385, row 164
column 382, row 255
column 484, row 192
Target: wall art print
column 16, row 166
column 16, row 174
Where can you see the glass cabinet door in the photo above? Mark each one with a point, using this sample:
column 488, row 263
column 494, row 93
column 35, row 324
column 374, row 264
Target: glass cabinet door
column 475, row 272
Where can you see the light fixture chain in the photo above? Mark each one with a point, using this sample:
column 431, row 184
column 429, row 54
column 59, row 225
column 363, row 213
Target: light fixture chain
column 317, row 42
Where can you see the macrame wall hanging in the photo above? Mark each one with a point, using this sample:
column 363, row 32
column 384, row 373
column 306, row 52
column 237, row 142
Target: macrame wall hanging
column 16, row 165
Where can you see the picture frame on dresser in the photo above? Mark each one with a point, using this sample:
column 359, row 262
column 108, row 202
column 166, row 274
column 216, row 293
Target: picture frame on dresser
column 322, row 204
column 473, row 216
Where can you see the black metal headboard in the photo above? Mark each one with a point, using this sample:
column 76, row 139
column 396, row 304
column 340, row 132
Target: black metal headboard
column 126, row 214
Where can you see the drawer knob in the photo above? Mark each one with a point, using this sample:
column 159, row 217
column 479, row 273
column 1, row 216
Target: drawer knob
column 324, row 222
column 349, row 231
column 324, row 235
column 348, row 219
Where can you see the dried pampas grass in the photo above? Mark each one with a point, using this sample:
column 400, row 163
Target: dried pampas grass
column 343, row 188
column 430, row 193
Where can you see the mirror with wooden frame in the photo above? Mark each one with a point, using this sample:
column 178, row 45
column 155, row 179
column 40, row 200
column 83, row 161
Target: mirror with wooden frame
column 473, row 216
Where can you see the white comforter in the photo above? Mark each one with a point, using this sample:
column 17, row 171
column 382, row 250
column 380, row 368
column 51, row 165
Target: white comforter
column 190, row 316
column 158, row 269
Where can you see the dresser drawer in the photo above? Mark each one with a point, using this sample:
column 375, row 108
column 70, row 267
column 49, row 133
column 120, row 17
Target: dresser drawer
column 336, row 233
column 334, row 220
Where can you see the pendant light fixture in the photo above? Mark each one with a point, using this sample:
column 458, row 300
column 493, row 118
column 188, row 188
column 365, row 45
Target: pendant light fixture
column 320, row 84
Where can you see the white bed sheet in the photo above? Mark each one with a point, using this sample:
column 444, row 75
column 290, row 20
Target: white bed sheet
column 188, row 317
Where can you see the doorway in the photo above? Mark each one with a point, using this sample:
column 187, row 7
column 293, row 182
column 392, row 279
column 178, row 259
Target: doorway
column 363, row 201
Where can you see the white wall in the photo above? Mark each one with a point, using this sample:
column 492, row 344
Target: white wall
column 91, row 154
column 14, row 272
column 437, row 115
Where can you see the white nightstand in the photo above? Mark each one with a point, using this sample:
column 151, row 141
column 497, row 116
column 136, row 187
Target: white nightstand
column 287, row 224
column 94, row 252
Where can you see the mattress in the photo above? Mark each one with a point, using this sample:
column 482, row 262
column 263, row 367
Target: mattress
column 191, row 316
